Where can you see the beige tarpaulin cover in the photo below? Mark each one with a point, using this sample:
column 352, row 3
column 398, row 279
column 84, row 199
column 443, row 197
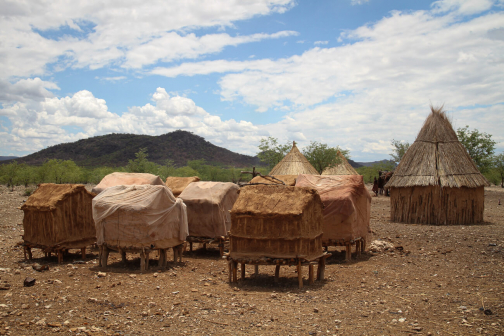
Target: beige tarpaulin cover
column 139, row 216
column 59, row 216
column 178, row 184
column 115, row 179
column 289, row 180
column 208, row 205
column 347, row 205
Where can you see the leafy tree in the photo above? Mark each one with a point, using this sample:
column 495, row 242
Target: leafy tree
column 271, row 152
column 9, row 174
column 167, row 170
column 26, row 174
column 61, row 171
column 369, row 173
column 499, row 167
column 399, row 150
column 480, row 147
column 141, row 164
column 322, row 156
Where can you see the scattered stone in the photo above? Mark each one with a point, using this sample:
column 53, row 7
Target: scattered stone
column 41, row 322
column 17, row 272
column 417, row 328
column 25, row 306
column 315, row 310
column 4, row 285
column 28, row 282
column 133, row 276
column 54, row 325
column 93, row 300
column 380, row 246
column 101, row 274
column 40, row 268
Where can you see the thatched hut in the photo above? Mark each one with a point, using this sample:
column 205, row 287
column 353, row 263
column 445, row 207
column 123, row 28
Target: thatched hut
column 294, row 163
column 118, row 178
column 58, row 217
column 347, row 209
column 178, row 184
column 342, row 168
column 139, row 219
column 436, row 181
column 289, row 180
column 208, row 205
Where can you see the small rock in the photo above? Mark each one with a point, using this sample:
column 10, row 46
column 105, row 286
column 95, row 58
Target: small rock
column 93, row 300
column 28, row 282
column 194, row 290
column 40, row 268
column 54, row 325
column 402, row 319
column 315, row 310
column 25, row 306
column 101, row 274
column 151, row 304
column 144, row 313
column 41, row 322
column 133, row 276
column 17, row 272
column 417, row 328
column 4, row 286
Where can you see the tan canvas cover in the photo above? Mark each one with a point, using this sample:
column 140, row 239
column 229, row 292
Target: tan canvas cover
column 347, row 205
column 115, row 179
column 289, row 180
column 139, row 216
column 59, row 216
column 208, row 205
column 178, row 184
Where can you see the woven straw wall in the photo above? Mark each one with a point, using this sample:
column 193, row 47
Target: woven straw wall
column 436, row 205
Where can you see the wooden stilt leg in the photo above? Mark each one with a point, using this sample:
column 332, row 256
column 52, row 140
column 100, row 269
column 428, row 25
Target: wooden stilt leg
column 181, row 250
column 348, row 255
column 277, row 273
column 256, row 270
column 144, row 261
column 104, row 256
column 300, row 274
column 235, row 271
column 190, row 246
column 83, row 253
column 310, row 274
column 162, row 258
column 60, row 256
column 100, row 252
column 363, row 245
column 230, row 268
column 204, row 246
column 221, row 248
column 321, row 269
column 243, row 271
column 28, row 250
column 123, row 256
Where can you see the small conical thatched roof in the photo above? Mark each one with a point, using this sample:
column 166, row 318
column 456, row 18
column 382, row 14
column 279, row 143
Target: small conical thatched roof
column 294, row 163
column 437, row 158
column 343, row 168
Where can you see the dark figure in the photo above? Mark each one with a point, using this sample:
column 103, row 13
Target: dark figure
column 381, row 182
column 375, row 187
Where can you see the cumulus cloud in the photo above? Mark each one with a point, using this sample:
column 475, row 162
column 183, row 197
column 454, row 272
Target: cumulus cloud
column 359, row 2
column 35, row 34
column 26, row 89
column 463, row 7
column 37, row 124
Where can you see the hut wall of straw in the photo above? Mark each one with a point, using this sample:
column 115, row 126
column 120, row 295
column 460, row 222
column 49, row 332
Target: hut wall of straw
column 436, row 181
column 276, row 222
column 436, row 205
column 59, row 216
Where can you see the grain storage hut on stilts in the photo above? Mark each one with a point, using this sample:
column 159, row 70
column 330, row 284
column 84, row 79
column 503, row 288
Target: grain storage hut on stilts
column 58, row 217
column 436, row 181
column 178, row 184
column 342, row 168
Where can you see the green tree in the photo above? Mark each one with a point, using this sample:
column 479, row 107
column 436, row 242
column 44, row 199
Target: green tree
column 499, row 167
column 369, row 173
column 480, row 147
column 271, row 152
column 322, row 156
column 9, row 175
column 60, row 171
column 400, row 148
column 26, row 174
column 141, row 164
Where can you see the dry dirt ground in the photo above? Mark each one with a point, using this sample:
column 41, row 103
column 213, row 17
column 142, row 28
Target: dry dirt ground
column 438, row 280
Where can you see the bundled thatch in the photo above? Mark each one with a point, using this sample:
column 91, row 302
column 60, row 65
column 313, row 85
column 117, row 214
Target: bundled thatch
column 59, row 216
column 294, row 163
column 178, row 184
column 117, row 178
column 208, row 205
column 436, row 181
column 289, row 180
column 276, row 222
column 343, row 168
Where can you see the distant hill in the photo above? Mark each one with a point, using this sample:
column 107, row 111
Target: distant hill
column 369, row 164
column 3, row 158
column 354, row 164
column 115, row 150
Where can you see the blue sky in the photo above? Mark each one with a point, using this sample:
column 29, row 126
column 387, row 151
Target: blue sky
column 349, row 73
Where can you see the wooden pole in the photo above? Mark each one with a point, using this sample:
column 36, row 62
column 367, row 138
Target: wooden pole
column 348, row 255
column 256, row 270
column 235, row 276
column 243, row 271
column 277, row 273
column 60, row 256
column 104, row 255
column 310, row 274
column 190, row 246
column 123, row 256
column 162, row 258
column 321, row 268
column 300, row 274
column 83, row 252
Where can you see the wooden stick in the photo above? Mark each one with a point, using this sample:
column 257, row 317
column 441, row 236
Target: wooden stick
column 235, row 270
column 277, row 273
column 162, row 258
column 243, row 271
column 348, row 255
column 28, row 249
column 300, row 274
column 83, row 252
column 256, row 270
column 310, row 274
column 123, row 256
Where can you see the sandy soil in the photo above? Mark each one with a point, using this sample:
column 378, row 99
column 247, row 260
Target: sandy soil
column 436, row 281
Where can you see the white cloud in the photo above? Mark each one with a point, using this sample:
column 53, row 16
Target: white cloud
column 111, row 34
column 359, row 2
column 463, row 7
column 320, row 42
column 25, row 89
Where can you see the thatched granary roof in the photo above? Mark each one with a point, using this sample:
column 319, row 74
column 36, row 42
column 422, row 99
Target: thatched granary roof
column 289, row 180
column 343, row 168
column 48, row 196
column 437, row 158
column 294, row 163
column 178, row 184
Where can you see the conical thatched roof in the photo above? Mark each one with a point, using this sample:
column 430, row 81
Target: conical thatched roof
column 343, row 168
column 437, row 158
column 294, row 163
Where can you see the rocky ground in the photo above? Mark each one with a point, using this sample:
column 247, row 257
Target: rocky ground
column 435, row 280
